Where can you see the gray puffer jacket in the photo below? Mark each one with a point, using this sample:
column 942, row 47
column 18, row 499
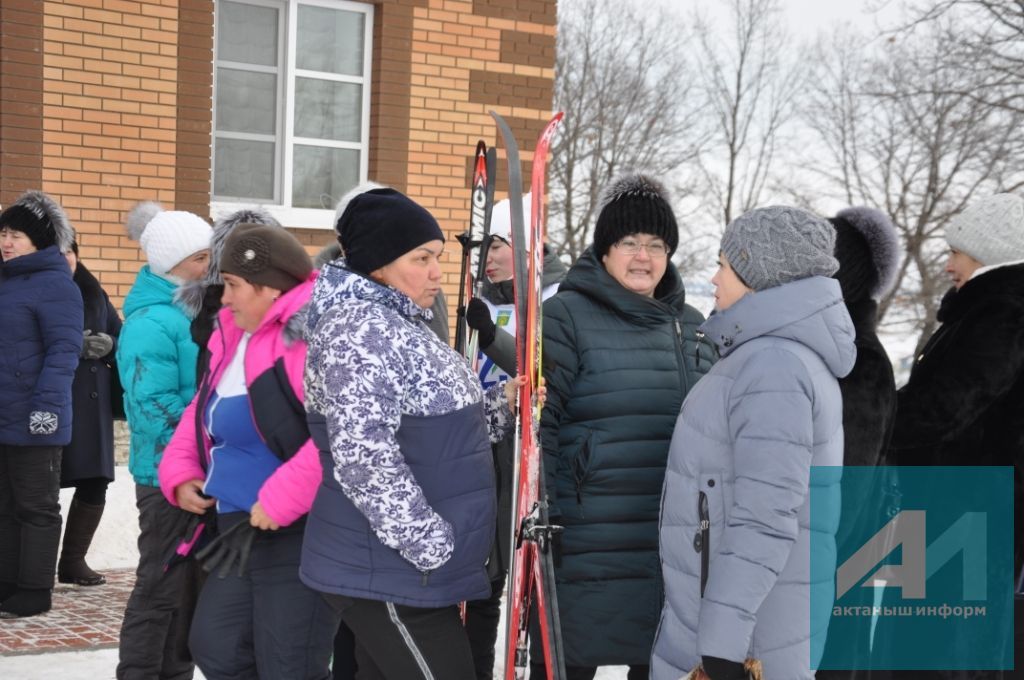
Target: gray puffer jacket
column 746, row 438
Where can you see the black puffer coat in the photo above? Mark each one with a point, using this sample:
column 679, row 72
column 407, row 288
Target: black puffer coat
column 618, row 366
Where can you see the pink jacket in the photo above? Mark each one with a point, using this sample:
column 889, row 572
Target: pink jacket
column 288, row 493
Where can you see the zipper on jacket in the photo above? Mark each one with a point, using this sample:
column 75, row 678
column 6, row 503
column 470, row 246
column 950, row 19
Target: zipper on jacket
column 680, row 347
column 579, row 469
column 696, row 348
column 702, row 540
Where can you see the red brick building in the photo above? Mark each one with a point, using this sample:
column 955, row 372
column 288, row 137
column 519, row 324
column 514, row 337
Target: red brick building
column 210, row 106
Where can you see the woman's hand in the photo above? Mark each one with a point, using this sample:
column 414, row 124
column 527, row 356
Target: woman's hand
column 189, row 496
column 512, row 389
column 261, row 520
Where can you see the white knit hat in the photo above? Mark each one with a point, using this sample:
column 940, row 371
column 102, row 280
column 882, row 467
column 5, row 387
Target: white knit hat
column 991, row 231
column 171, row 236
column 501, row 218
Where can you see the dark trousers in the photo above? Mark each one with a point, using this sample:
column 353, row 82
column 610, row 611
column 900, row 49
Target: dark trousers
column 537, row 672
column 154, row 633
column 396, row 642
column 265, row 623
column 482, row 619
column 92, row 491
column 29, row 515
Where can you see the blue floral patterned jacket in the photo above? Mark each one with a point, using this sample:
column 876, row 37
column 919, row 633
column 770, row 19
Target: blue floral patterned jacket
column 405, row 430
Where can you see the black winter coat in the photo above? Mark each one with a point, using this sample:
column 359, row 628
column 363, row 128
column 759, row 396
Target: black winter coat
column 618, row 366
column 869, row 410
column 93, row 393
column 964, row 401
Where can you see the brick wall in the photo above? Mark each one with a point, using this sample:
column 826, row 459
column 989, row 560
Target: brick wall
column 467, row 58
column 104, row 103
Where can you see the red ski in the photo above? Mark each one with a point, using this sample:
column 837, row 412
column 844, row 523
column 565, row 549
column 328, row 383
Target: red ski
column 531, row 576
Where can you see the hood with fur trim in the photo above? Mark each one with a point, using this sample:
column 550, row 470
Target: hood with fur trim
column 881, row 241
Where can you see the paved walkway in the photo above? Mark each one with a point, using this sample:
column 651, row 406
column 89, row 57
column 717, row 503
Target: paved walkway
column 81, row 618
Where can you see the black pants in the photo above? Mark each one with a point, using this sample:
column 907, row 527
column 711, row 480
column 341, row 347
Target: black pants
column 154, row 633
column 395, row 642
column 92, row 491
column 266, row 623
column 482, row 619
column 29, row 515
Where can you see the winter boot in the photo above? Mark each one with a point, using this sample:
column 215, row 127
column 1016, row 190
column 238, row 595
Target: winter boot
column 26, row 602
column 83, row 518
column 6, row 590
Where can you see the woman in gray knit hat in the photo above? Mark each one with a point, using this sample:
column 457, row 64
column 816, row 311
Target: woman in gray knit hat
column 735, row 505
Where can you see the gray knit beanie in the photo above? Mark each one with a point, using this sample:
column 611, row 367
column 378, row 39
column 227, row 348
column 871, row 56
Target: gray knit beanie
column 771, row 246
column 991, row 231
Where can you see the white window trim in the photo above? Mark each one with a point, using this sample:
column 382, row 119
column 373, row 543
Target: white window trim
column 287, row 215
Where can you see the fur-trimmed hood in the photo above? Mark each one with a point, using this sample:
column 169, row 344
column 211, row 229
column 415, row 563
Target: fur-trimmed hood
column 881, row 240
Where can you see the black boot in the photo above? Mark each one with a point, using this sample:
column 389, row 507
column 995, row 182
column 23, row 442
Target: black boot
column 6, row 590
column 83, row 518
column 26, row 602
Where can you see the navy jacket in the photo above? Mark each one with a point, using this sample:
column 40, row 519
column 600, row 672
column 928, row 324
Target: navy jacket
column 40, row 340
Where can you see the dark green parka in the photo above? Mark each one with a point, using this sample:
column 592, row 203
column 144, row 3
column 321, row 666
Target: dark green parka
column 618, row 366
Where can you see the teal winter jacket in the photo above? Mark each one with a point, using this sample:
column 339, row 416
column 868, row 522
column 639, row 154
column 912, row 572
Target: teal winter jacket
column 156, row 359
column 618, row 366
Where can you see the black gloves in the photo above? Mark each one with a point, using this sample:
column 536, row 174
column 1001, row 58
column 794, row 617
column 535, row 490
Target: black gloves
column 96, row 345
column 721, row 669
column 478, row 316
column 229, row 548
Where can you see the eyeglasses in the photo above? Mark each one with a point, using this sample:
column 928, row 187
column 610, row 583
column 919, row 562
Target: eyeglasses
column 628, row 246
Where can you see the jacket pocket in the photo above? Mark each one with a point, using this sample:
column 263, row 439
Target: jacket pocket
column 581, row 469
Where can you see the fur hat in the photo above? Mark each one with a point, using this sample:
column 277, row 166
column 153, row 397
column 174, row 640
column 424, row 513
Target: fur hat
column 501, row 218
column 379, row 226
column 991, row 230
column 265, row 255
column 190, row 294
column 634, row 204
column 868, row 251
column 41, row 219
column 768, row 247
column 167, row 236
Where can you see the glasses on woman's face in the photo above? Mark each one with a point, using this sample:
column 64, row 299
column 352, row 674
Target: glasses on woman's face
column 630, row 246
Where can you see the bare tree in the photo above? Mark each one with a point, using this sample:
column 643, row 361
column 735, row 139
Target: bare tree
column 904, row 132
column 986, row 38
column 750, row 89
column 629, row 101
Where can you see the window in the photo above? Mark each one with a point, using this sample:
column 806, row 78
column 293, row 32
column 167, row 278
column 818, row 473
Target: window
column 291, row 105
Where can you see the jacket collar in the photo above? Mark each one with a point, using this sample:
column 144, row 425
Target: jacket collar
column 49, row 258
column 288, row 311
column 809, row 311
column 994, row 282
column 589, row 277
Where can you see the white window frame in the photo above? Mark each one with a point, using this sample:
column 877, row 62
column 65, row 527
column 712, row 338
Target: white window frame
column 285, row 138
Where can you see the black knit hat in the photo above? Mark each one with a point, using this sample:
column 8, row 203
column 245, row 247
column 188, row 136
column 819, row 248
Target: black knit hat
column 634, row 204
column 41, row 219
column 265, row 255
column 379, row 226
column 867, row 248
